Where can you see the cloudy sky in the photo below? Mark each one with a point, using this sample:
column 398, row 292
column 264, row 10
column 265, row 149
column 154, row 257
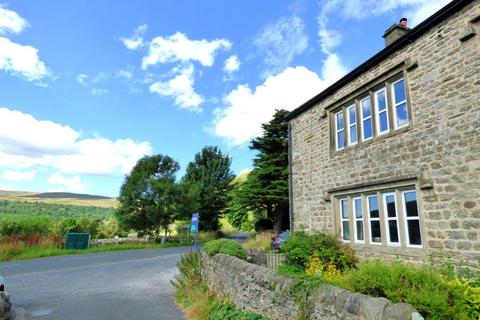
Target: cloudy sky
column 89, row 87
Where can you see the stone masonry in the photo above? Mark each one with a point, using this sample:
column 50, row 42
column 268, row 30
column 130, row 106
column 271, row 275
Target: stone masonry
column 440, row 148
column 258, row 289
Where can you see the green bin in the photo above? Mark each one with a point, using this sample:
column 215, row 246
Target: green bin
column 77, row 241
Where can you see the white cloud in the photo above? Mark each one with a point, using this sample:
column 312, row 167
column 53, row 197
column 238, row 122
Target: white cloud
column 180, row 88
column 73, row 184
column 26, row 142
column 13, row 175
column 232, row 64
column 82, row 79
column 21, row 60
column 10, row 21
column 281, row 42
column 126, row 74
column 178, row 48
column 247, row 109
column 136, row 41
column 99, row 91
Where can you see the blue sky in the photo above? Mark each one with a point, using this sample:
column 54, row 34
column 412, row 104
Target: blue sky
column 89, row 87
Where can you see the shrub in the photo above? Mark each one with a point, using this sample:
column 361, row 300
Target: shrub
column 300, row 247
column 24, row 227
column 422, row 287
column 223, row 310
column 226, row 246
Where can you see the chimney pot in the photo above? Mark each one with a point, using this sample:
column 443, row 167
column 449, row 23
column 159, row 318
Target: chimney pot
column 396, row 31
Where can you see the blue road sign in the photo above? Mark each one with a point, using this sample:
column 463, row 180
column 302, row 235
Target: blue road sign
column 194, row 228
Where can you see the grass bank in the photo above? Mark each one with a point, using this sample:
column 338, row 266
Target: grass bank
column 9, row 254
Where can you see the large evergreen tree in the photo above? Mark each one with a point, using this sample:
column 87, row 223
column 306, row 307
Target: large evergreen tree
column 266, row 188
column 208, row 179
column 149, row 197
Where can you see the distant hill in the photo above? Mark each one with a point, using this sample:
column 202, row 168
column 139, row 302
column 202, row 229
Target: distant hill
column 66, row 198
column 65, row 195
column 241, row 177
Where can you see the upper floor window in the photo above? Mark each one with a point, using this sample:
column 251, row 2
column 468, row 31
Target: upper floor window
column 400, row 104
column 379, row 111
column 340, row 130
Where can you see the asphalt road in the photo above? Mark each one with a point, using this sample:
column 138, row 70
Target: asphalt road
column 114, row 285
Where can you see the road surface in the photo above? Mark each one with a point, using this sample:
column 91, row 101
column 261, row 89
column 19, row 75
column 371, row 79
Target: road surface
column 114, row 285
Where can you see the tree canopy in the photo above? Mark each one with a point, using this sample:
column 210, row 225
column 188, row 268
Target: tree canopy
column 208, row 179
column 149, row 197
column 266, row 188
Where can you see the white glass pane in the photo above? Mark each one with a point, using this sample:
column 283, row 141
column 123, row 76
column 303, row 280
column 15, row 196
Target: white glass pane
column 366, row 108
column 340, row 139
column 390, row 203
column 401, row 114
column 346, row 230
column 359, row 226
column 352, row 115
column 373, row 207
column 358, row 208
column 393, row 230
column 353, row 134
column 383, row 118
column 381, row 101
column 367, row 129
column 399, row 91
column 414, row 237
column 344, row 208
column 410, row 199
column 375, row 230
column 339, row 120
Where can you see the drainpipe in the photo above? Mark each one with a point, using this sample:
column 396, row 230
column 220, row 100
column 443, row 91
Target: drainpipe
column 290, row 185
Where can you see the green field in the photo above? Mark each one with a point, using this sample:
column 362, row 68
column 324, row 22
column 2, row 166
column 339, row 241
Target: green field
column 14, row 204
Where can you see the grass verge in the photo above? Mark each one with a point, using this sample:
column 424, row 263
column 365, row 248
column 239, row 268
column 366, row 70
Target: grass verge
column 38, row 252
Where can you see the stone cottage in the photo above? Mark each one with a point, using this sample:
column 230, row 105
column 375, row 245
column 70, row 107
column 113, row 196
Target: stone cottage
column 388, row 157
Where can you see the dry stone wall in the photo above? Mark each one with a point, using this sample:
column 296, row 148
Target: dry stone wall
column 258, row 289
column 441, row 145
column 6, row 309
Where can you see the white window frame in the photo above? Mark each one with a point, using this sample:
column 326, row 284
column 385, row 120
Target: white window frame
column 350, row 124
column 370, row 219
column 355, row 219
column 387, row 218
column 396, row 104
column 365, row 119
column 378, row 112
column 343, row 220
column 406, row 218
column 337, row 131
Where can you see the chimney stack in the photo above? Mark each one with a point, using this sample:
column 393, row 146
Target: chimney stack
column 396, row 31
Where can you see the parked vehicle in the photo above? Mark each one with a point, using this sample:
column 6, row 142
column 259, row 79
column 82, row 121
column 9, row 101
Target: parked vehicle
column 2, row 284
column 277, row 241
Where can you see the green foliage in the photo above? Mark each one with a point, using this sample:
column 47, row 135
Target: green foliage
column 24, row 227
column 237, row 215
column 108, row 229
column 149, row 197
column 300, row 246
column 208, row 181
column 290, row 269
column 223, row 310
column 23, row 210
column 189, row 268
column 266, row 188
column 422, row 287
column 226, row 246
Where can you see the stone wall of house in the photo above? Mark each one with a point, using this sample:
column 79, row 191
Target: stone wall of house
column 441, row 145
column 258, row 289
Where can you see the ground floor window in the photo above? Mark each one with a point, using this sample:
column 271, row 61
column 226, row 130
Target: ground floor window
column 388, row 217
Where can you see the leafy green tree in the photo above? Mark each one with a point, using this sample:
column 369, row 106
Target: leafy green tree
column 237, row 214
column 208, row 179
column 266, row 188
column 149, row 197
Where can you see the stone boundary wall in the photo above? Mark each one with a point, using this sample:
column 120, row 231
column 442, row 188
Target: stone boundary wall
column 258, row 289
column 117, row 241
column 6, row 308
